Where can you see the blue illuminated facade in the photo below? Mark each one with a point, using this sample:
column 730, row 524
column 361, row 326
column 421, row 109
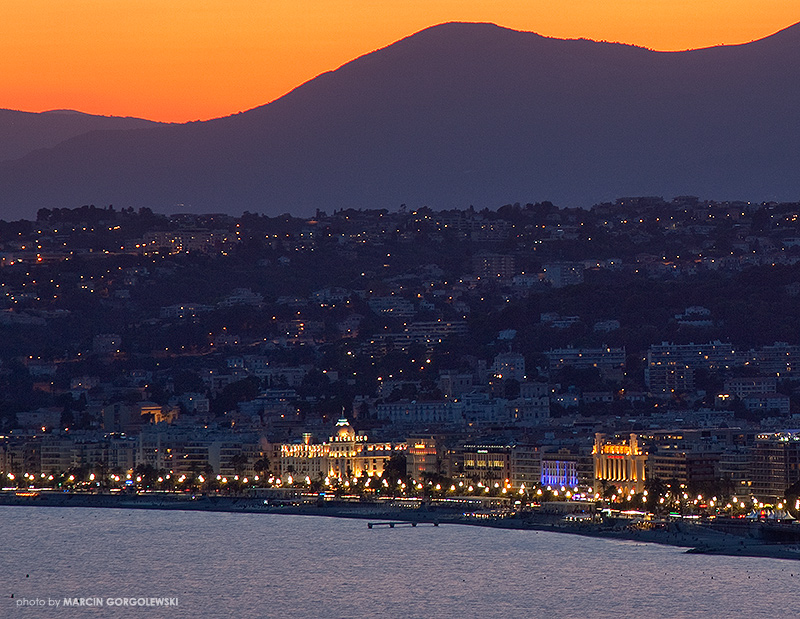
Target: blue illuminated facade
column 557, row 473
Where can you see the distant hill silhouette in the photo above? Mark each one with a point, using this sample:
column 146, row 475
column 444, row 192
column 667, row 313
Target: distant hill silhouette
column 460, row 114
column 23, row 132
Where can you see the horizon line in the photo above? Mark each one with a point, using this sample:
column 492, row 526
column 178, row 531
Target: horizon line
column 378, row 49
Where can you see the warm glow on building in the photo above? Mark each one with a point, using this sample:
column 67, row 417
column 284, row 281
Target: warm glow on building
column 619, row 462
column 346, row 455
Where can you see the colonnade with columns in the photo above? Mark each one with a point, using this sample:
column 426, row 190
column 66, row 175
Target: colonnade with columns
column 620, row 462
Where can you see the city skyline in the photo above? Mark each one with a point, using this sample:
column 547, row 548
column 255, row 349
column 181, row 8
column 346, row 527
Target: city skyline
column 531, row 267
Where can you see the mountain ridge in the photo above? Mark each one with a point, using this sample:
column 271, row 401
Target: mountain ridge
column 460, row 114
column 23, row 132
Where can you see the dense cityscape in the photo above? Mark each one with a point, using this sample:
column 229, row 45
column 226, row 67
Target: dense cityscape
column 641, row 355
column 442, row 309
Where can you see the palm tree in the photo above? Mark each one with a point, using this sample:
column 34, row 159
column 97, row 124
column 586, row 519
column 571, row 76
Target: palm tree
column 261, row 467
column 100, row 468
column 240, row 462
column 655, row 490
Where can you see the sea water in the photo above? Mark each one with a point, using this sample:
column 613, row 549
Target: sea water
column 120, row 563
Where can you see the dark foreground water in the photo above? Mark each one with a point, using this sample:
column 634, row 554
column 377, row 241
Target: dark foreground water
column 259, row 565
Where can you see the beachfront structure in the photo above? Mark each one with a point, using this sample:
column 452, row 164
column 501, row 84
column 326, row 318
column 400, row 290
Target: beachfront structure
column 352, row 454
column 345, row 455
column 774, row 465
column 305, row 459
column 506, row 463
column 423, row 457
column 687, row 456
column 620, row 462
column 559, row 473
column 189, row 450
column 568, row 467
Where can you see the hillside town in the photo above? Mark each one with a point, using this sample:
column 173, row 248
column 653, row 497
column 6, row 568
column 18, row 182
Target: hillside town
column 643, row 352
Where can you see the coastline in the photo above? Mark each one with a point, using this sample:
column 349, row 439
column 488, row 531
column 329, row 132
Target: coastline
column 748, row 541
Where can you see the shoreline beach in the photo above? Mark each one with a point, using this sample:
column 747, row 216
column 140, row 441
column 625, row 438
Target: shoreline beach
column 697, row 538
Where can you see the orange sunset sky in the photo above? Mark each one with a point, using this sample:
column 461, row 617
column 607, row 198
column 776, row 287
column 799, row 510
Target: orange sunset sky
column 179, row 60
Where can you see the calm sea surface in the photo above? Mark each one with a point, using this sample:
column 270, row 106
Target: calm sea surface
column 259, row 565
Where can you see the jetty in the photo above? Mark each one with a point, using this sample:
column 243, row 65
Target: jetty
column 401, row 523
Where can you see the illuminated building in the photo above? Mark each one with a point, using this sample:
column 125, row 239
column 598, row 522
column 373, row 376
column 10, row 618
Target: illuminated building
column 619, row 462
column 567, row 467
column 557, row 473
column 351, row 453
column 422, row 457
column 487, row 462
column 503, row 462
column 559, row 469
column 345, row 455
column 130, row 418
column 305, row 459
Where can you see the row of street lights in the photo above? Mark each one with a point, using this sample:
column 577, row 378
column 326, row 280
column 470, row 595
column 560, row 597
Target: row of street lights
column 670, row 501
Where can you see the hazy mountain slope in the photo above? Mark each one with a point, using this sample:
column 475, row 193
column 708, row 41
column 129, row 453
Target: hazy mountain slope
column 455, row 115
column 24, row 132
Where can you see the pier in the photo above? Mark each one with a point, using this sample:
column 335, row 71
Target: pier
column 402, row 523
